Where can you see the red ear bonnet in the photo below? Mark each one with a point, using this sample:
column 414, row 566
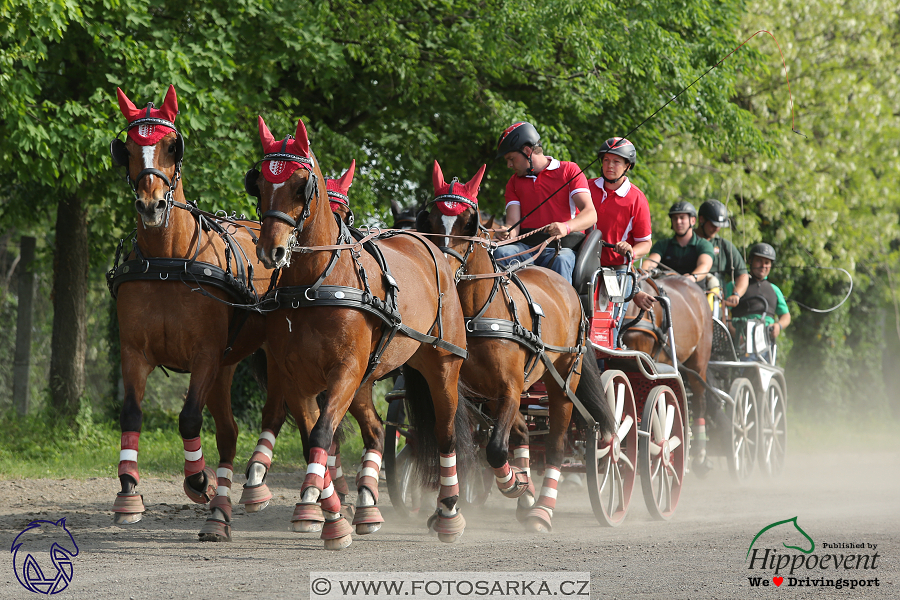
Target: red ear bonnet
column 339, row 189
column 146, row 134
column 453, row 198
column 279, row 171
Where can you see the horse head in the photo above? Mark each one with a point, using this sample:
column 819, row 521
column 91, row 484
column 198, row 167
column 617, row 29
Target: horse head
column 404, row 218
column 457, row 207
column 152, row 154
column 287, row 186
column 339, row 194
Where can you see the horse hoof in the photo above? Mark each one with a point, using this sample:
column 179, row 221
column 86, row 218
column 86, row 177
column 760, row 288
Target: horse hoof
column 258, row 495
column 536, row 526
column 126, row 518
column 202, row 496
column 702, row 468
column 349, row 511
column 449, row 538
column 339, row 544
column 306, row 526
column 367, row 528
column 255, row 507
column 215, row 530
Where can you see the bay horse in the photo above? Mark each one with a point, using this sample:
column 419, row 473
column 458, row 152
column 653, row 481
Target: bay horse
column 523, row 327
column 693, row 327
column 345, row 314
column 256, row 494
column 179, row 250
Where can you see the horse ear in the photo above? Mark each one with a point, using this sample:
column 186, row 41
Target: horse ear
column 422, row 223
column 129, row 110
column 437, row 177
column 475, row 182
column 395, row 209
column 61, row 522
column 265, row 135
column 346, row 180
column 302, row 137
column 169, row 109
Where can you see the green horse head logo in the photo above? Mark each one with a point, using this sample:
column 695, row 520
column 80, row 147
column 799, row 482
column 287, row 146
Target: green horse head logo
column 812, row 544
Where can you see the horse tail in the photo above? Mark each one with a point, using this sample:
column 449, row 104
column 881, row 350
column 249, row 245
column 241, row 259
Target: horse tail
column 590, row 392
column 422, row 420
column 344, row 428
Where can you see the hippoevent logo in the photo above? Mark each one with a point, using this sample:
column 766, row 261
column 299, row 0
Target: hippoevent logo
column 837, row 564
column 42, row 556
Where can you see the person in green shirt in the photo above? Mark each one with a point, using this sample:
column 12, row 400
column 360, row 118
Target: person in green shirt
column 774, row 311
column 728, row 264
column 685, row 253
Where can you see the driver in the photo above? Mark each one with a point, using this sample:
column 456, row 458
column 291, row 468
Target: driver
column 777, row 315
column 338, row 194
column 727, row 260
column 685, row 253
column 536, row 178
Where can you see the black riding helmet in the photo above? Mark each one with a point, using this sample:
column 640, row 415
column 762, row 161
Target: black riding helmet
column 516, row 137
column 619, row 147
column 683, row 207
column 764, row 250
column 714, row 212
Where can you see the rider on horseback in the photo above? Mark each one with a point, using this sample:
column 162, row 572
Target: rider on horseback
column 686, row 253
column 623, row 214
column 727, row 260
column 536, row 178
column 338, row 194
column 762, row 256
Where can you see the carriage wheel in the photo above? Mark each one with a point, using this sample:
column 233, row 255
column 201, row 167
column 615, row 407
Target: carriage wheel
column 610, row 462
column 403, row 490
column 745, row 430
column 661, row 452
column 773, row 443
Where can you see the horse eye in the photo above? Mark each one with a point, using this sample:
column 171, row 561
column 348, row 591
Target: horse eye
column 172, row 148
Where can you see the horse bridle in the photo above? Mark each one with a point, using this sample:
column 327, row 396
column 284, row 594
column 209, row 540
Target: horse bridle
column 310, row 190
column 451, row 197
column 119, row 152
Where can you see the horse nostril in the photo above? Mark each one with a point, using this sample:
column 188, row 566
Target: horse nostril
column 139, row 206
column 160, row 205
column 278, row 254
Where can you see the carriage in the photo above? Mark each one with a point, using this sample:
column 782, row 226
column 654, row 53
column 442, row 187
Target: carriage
column 648, row 399
column 752, row 427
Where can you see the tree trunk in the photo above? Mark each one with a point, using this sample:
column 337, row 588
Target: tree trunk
column 69, row 341
column 22, row 362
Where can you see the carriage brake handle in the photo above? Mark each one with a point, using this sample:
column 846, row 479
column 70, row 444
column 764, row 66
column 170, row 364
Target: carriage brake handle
column 666, row 304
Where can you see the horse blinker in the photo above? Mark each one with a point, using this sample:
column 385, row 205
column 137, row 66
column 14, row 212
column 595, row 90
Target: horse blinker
column 251, row 183
column 119, row 152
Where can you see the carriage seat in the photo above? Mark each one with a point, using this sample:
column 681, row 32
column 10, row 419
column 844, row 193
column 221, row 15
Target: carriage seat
column 586, row 264
column 665, row 368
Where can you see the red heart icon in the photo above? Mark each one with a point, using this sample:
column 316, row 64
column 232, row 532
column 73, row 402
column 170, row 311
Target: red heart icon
column 778, row 580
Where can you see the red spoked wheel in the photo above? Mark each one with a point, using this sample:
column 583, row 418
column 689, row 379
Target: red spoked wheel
column 661, row 452
column 610, row 462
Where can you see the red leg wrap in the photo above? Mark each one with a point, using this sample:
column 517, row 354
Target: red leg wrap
column 337, row 473
column 265, row 446
column 193, row 457
column 329, row 500
column 128, row 455
column 368, row 472
column 449, row 481
column 316, row 470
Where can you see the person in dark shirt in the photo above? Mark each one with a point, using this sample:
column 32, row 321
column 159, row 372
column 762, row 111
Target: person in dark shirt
column 685, row 253
column 728, row 264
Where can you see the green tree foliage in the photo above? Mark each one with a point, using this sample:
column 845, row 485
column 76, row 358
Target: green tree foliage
column 829, row 197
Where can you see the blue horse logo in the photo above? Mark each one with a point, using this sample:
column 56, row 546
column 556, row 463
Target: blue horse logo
column 45, row 538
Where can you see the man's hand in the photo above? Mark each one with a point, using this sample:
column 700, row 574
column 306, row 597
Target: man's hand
column 557, row 229
column 732, row 301
column 624, row 248
column 503, row 233
column 644, row 301
column 775, row 329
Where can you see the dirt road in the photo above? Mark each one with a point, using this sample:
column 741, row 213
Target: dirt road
column 701, row 553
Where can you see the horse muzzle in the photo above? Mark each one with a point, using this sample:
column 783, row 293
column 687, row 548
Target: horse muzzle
column 275, row 258
column 152, row 211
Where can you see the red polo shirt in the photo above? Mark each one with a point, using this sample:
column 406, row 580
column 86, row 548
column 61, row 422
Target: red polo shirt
column 623, row 215
column 529, row 191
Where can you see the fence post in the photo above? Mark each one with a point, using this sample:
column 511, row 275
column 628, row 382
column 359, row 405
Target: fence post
column 22, row 364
